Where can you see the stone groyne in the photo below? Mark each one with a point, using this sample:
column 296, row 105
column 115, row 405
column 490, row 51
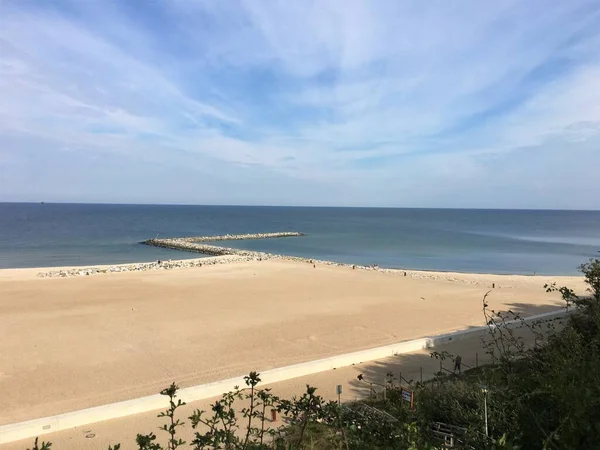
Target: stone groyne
column 225, row 255
column 195, row 244
column 197, row 247
column 243, row 237
column 136, row 267
column 219, row 255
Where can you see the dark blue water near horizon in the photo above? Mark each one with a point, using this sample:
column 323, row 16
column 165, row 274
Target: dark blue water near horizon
column 463, row 240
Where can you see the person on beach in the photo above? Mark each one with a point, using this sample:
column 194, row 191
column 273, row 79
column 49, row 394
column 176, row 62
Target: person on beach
column 457, row 363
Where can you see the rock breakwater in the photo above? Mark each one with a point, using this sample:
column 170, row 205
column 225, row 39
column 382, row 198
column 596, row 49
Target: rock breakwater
column 225, row 255
column 218, row 255
column 190, row 246
column 244, row 237
column 195, row 244
column 157, row 265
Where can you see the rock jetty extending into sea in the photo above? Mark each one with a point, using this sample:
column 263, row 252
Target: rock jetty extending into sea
column 243, row 237
column 194, row 244
column 136, row 267
column 221, row 255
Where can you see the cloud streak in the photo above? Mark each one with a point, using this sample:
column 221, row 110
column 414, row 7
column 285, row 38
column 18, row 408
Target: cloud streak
column 350, row 103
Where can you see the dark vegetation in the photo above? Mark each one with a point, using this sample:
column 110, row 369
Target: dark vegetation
column 538, row 393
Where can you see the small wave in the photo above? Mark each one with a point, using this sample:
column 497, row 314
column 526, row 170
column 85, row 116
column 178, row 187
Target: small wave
column 574, row 240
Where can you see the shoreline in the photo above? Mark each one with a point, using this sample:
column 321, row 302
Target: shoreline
column 178, row 264
column 231, row 259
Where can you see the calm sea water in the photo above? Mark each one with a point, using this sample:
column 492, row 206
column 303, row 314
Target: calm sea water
column 496, row 241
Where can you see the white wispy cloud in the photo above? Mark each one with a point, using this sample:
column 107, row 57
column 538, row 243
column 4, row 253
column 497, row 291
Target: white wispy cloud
column 364, row 100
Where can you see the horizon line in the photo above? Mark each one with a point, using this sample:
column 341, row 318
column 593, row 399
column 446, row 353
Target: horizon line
column 298, row 206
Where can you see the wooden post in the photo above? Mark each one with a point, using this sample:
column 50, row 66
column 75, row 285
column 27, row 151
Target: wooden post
column 273, row 415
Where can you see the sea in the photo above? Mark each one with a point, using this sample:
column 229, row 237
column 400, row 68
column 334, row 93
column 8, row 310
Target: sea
column 461, row 240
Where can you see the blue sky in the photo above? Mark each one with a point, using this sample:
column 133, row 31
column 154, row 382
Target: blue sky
column 350, row 103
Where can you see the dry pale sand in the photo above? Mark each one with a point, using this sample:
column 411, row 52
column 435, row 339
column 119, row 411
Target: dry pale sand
column 72, row 343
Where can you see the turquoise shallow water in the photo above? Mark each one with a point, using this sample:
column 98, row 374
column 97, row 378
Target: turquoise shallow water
column 496, row 241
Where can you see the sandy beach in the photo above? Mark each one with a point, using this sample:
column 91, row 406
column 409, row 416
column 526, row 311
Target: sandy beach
column 72, row 343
